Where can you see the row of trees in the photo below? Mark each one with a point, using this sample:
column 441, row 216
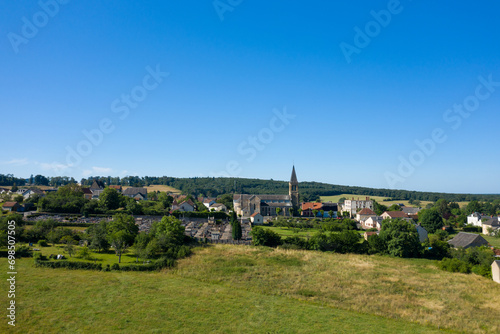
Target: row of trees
column 214, row 187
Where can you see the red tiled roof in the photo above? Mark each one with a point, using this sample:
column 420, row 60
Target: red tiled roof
column 9, row 204
column 254, row 214
column 396, row 214
column 312, row 206
column 366, row 211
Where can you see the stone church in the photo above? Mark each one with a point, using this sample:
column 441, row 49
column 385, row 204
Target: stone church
column 246, row 205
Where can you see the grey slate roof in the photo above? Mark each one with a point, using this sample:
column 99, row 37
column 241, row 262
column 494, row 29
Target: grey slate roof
column 293, row 178
column 135, row 190
column 467, row 240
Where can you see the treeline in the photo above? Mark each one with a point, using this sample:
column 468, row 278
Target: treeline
column 216, row 186
column 38, row 180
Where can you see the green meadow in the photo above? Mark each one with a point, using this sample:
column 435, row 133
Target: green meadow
column 242, row 289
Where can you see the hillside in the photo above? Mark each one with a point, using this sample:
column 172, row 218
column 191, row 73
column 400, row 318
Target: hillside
column 251, row 289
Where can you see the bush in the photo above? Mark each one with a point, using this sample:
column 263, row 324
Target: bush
column 39, row 257
column 455, row 266
column 68, row 265
column 43, row 243
column 472, row 228
column 115, row 266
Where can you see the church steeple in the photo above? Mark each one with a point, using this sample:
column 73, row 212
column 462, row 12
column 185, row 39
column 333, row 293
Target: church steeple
column 293, row 190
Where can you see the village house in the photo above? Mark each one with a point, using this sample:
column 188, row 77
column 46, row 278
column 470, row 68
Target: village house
column 256, row 219
column 208, row 202
column 136, row 193
column 96, row 188
column 474, row 219
column 373, row 222
column 467, row 240
column 352, row 206
column 411, row 212
column 364, row 214
column 395, row 215
column 490, row 225
column 87, row 193
column 367, row 235
column 11, row 206
column 184, row 206
column 217, row 207
column 32, row 192
column 308, row 208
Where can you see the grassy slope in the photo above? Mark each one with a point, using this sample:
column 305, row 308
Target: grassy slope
column 379, row 199
column 159, row 187
column 248, row 289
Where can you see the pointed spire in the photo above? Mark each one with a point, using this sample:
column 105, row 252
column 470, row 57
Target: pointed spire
column 293, row 179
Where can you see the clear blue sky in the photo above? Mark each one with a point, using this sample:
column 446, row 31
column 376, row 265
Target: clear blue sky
column 232, row 69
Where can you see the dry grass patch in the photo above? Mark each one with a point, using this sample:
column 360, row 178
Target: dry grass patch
column 411, row 289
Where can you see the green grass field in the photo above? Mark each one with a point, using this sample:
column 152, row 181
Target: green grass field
column 239, row 289
column 289, row 232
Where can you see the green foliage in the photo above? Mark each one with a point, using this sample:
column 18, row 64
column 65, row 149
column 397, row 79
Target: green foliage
column 68, row 265
column 401, row 238
column 430, row 219
column 43, row 243
column 110, row 199
column 455, row 265
column 97, row 236
column 376, row 245
column 265, row 237
column 169, row 231
column 67, row 199
column 394, row 207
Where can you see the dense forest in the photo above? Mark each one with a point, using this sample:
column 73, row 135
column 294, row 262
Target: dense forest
column 215, row 186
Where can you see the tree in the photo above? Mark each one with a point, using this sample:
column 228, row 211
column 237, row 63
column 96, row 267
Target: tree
column 315, row 213
column 265, row 237
column 53, row 237
column 472, row 207
column 122, row 231
column 110, row 199
column 97, row 236
column 441, row 206
column 14, row 188
column 331, row 213
column 19, row 198
column 322, row 213
column 140, row 245
column 168, row 232
column 430, row 219
column 69, row 244
column 278, row 210
column 401, row 238
column 394, row 207
column 236, row 231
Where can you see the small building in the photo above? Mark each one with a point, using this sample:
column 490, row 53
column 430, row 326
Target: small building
column 467, row 240
column 364, row 214
column 117, row 188
column 495, row 271
column 97, row 188
column 373, row 222
column 492, row 224
column 87, row 193
column 186, row 206
column 11, row 206
column 474, row 219
column 32, row 192
column 256, row 219
column 217, row 207
column 136, row 193
column 208, row 202
column 395, row 215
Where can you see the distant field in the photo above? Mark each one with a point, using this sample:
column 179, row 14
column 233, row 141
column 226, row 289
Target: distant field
column 242, row 289
column 159, row 187
column 379, row 199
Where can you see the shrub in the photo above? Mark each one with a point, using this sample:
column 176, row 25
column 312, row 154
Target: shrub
column 68, row 265
column 455, row 265
column 115, row 266
column 43, row 243
column 39, row 257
